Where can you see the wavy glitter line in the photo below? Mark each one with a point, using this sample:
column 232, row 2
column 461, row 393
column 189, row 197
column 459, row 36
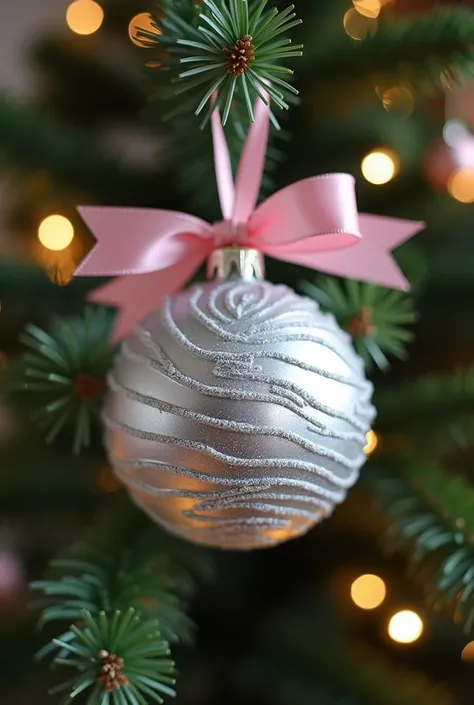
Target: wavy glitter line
column 232, row 483
column 164, row 366
column 227, row 424
column 279, row 388
column 254, row 463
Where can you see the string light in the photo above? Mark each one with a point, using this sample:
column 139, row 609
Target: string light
column 368, row 592
column 138, row 25
column 405, row 627
column 84, row 16
column 379, row 167
column 56, row 232
column 371, row 444
column 358, row 26
column 461, row 185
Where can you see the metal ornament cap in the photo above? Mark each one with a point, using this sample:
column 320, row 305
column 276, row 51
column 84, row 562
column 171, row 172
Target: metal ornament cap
column 230, row 263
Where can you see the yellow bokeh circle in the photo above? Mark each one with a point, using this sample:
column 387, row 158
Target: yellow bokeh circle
column 379, row 167
column 139, row 24
column 405, row 627
column 461, row 185
column 84, row 16
column 56, row 232
column 368, row 592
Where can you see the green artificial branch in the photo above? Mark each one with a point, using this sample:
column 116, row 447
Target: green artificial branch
column 191, row 147
column 377, row 318
column 234, row 49
column 105, row 579
column 361, row 675
column 32, row 141
column 429, row 515
column 66, row 370
column 123, row 605
column 120, row 660
column 429, row 50
column 293, row 665
column 79, row 78
column 437, row 407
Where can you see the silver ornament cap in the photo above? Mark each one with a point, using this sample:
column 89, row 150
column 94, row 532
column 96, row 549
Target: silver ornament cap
column 235, row 263
column 238, row 411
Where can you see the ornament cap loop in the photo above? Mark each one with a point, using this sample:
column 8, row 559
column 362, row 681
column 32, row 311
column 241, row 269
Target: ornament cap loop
column 236, row 263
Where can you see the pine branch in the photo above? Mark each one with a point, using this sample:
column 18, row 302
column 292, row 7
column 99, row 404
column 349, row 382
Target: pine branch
column 429, row 515
column 31, row 141
column 235, row 47
column 108, row 579
column 366, row 678
column 439, row 407
column 427, row 50
column 66, row 370
column 27, row 292
column 78, row 78
column 123, row 605
column 119, row 658
column 190, row 146
column 294, row 665
column 377, row 318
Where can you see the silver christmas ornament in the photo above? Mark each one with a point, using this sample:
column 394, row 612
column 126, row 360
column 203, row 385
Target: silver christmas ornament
column 238, row 411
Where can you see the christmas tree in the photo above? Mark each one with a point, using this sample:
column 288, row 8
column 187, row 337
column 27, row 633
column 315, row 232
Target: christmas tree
column 376, row 603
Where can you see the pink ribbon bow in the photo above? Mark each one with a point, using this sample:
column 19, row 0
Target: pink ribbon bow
column 310, row 223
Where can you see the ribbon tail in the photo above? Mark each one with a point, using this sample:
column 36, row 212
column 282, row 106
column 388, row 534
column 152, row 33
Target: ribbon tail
column 370, row 260
column 136, row 296
column 140, row 240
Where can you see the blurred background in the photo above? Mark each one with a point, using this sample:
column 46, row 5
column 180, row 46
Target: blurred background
column 333, row 618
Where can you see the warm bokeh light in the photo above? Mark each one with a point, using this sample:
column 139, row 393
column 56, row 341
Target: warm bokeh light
column 405, row 627
column 107, row 480
column 138, row 24
column 56, row 232
column 379, row 167
column 368, row 592
column 372, row 443
column 84, row 16
column 399, row 100
column 369, row 8
column 454, row 131
column 358, row 26
column 62, row 273
column 468, row 652
column 461, row 185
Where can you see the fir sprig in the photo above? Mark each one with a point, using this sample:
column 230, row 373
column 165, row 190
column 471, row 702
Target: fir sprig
column 121, row 659
column 428, row 516
column 191, row 147
column 235, row 50
column 65, row 370
column 106, row 580
column 377, row 318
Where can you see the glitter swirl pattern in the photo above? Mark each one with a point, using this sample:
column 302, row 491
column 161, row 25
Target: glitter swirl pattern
column 237, row 414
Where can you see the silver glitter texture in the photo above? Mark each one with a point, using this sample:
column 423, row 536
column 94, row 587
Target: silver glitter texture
column 237, row 414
